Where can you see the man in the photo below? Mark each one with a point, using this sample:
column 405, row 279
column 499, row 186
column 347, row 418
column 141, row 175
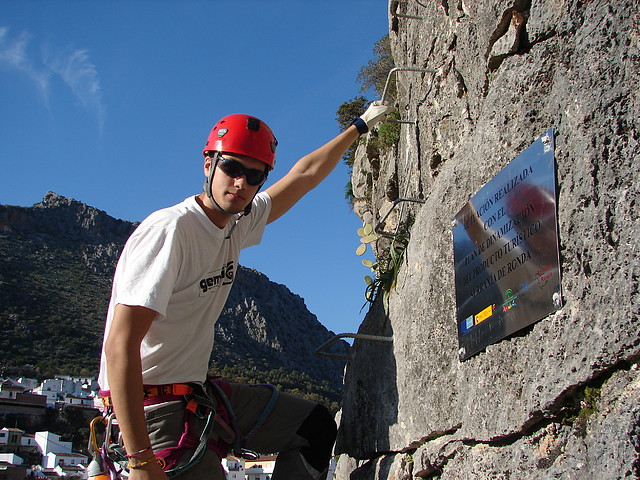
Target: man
column 171, row 283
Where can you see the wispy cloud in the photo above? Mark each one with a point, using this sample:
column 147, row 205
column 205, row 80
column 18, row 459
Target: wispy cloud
column 13, row 55
column 77, row 71
column 72, row 65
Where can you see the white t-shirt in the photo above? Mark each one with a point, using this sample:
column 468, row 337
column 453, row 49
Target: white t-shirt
column 178, row 263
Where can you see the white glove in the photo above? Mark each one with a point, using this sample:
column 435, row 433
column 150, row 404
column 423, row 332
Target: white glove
column 376, row 113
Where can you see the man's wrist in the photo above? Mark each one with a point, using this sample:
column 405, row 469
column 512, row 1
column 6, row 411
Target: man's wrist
column 361, row 126
column 139, row 452
column 135, row 464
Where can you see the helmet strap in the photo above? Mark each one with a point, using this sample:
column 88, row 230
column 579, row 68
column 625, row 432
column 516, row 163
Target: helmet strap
column 209, row 181
column 207, row 189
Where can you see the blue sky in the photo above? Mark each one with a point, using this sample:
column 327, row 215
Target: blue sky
column 111, row 102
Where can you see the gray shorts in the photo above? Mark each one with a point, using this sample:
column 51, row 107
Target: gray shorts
column 165, row 422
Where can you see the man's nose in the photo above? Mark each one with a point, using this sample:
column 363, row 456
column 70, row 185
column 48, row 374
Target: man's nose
column 240, row 182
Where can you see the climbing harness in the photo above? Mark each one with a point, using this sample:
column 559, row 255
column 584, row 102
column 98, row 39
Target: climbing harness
column 110, row 460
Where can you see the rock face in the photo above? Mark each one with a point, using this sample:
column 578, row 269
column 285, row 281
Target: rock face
column 561, row 398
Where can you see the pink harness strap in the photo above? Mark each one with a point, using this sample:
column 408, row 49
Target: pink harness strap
column 188, row 441
column 222, row 416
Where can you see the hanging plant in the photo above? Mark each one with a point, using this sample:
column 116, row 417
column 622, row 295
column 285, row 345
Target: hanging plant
column 386, row 272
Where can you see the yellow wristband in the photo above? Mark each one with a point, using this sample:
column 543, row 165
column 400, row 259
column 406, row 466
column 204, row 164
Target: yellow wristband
column 142, row 464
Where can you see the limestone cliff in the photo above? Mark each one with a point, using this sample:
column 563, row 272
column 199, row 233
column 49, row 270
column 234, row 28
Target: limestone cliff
column 561, row 398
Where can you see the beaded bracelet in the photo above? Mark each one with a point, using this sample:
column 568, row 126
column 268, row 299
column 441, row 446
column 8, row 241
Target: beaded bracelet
column 139, row 452
column 142, row 464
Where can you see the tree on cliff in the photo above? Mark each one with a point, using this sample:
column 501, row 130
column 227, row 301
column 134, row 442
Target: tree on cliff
column 372, row 79
column 373, row 76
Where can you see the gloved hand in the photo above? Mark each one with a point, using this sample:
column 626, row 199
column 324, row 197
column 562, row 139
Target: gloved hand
column 376, row 113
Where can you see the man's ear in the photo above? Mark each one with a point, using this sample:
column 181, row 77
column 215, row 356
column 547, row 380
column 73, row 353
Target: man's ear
column 207, row 164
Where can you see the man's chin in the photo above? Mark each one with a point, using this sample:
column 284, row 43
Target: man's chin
column 235, row 207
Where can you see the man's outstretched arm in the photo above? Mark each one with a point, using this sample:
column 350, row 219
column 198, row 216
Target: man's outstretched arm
column 310, row 170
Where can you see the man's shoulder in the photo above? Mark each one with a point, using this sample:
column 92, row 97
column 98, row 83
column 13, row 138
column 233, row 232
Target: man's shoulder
column 174, row 218
column 261, row 203
column 262, row 197
column 171, row 215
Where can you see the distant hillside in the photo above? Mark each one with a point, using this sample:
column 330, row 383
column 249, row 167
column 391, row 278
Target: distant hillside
column 56, row 263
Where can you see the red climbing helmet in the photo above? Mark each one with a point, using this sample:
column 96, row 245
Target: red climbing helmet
column 243, row 135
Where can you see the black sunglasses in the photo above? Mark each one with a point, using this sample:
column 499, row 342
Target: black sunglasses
column 235, row 169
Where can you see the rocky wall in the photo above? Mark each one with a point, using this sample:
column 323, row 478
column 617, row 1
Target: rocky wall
column 559, row 399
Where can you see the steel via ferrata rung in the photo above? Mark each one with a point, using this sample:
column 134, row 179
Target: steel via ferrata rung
column 404, row 69
column 361, row 336
column 413, row 17
column 378, row 226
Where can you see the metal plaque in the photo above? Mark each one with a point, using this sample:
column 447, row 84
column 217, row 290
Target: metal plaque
column 505, row 242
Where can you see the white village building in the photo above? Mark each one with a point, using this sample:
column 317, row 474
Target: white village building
column 233, row 468
column 261, row 468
